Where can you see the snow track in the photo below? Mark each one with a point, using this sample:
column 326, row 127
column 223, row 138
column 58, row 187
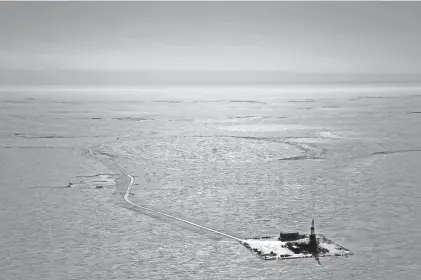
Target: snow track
column 126, row 198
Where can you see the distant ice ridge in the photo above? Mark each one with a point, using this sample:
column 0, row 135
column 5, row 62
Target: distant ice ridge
column 328, row 134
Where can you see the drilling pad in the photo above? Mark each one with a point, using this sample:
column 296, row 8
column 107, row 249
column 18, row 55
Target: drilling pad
column 271, row 248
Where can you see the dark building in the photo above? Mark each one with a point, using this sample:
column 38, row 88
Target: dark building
column 289, row 236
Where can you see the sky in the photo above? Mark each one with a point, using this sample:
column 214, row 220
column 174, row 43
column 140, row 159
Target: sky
column 299, row 37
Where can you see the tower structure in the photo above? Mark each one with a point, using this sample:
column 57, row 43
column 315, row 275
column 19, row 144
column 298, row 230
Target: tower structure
column 312, row 228
column 313, row 242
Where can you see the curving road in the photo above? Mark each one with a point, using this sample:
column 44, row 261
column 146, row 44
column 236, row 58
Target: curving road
column 126, row 198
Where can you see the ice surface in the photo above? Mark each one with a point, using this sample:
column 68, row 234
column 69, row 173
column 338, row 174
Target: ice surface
column 85, row 233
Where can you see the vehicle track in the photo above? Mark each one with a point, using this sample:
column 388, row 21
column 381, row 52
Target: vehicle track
column 129, row 188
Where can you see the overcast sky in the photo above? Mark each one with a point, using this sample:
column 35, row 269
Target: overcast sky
column 316, row 37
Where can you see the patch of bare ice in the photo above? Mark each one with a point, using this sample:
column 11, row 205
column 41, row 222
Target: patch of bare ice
column 94, row 180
